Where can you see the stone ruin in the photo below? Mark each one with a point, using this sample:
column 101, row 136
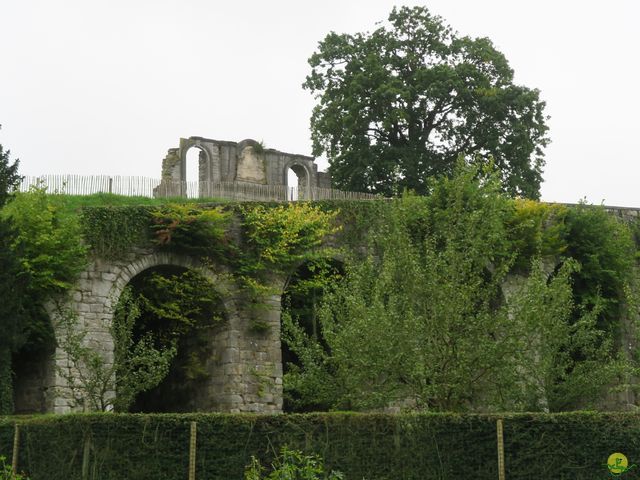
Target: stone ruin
column 247, row 163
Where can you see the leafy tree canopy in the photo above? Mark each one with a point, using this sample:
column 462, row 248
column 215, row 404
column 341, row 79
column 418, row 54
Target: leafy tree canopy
column 398, row 105
column 426, row 317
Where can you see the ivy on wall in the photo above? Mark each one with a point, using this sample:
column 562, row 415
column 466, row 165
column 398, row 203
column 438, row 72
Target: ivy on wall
column 110, row 232
column 257, row 241
column 178, row 309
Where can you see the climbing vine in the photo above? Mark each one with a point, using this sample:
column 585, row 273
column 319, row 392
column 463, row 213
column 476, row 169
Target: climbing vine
column 111, row 231
column 283, row 236
column 253, row 242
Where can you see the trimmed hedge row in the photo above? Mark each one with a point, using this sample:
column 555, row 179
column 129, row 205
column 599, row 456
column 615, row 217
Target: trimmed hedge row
column 372, row 446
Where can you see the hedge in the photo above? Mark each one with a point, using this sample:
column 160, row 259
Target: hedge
column 373, row 446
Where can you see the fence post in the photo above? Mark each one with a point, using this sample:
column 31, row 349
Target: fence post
column 501, row 475
column 86, row 456
column 110, row 184
column 192, row 451
column 16, row 445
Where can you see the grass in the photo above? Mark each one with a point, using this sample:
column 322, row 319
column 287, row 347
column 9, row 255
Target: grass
column 73, row 203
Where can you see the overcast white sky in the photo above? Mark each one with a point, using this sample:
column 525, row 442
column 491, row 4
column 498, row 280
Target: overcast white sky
column 107, row 86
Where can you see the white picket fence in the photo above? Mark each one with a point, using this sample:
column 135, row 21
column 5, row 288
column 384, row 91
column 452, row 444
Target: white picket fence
column 153, row 187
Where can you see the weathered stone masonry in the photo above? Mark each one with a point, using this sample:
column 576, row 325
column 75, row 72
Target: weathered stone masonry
column 245, row 370
column 239, row 162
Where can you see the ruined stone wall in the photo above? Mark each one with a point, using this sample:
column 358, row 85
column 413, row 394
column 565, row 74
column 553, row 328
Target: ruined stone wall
column 246, row 161
column 245, row 368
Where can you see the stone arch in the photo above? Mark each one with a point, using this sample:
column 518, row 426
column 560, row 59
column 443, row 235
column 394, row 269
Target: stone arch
column 304, row 178
column 246, row 366
column 158, row 259
column 204, row 167
column 98, row 291
column 202, row 396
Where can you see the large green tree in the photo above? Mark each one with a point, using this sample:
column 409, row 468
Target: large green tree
column 398, row 105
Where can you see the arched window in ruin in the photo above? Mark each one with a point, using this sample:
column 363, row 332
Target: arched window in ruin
column 297, row 181
column 194, row 164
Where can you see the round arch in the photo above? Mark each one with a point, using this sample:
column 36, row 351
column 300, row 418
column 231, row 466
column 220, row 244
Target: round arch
column 304, row 178
column 157, row 259
column 176, row 392
column 203, row 166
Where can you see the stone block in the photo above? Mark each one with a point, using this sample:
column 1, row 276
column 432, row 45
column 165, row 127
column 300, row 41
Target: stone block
column 96, row 308
column 231, row 355
column 232, row 369
column 83, row 307
column 102, row 288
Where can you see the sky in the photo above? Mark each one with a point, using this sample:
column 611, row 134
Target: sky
column 107, row 86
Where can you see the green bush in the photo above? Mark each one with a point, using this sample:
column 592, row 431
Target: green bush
column 7, row 473
column 572, row 446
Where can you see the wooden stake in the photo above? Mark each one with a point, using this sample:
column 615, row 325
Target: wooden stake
column 86, row 456
column 501, row 474
column 192, row 452
column 16, row 445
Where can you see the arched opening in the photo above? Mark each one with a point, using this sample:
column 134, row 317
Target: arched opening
column 301, row 301
column 297, row 183
column 178, row 308
column 292, row 185
column 195, row 163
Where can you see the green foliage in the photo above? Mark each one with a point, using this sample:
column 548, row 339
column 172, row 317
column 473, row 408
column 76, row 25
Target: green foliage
column 111, row 231
column 172, row 304
column 572, row 446
column 537, row 229
column 181, row 309
column 139, row 364
column 415, row 319
column 6, row 382
column 283, row 236
column 398, row 105
column 76, row 203
column 277, row 239
column 95, row 383
column 564, row 362
column 420, row 320
column 48, row 243
column 41, row 254
column 290, row 465
column 407, row 259
column 11, row 285
column 12, row 311
column 7, row 473
column 191, row 229
column 259, row 148
column 604, row 247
